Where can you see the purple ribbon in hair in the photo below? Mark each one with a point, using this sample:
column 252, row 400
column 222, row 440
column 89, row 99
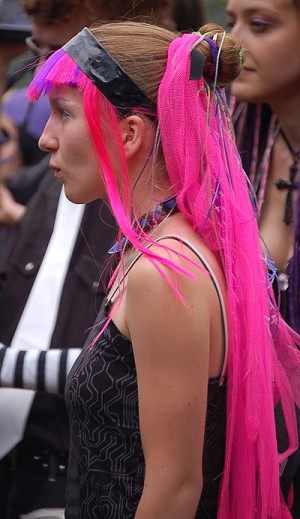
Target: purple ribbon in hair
column 214, row 48
column 198, row 59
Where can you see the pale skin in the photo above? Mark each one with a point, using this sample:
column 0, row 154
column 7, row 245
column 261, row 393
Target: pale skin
column 270, row 31
column 177, row 345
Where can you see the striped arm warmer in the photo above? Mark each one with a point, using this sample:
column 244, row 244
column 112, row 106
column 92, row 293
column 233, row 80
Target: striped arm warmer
column 35, row 369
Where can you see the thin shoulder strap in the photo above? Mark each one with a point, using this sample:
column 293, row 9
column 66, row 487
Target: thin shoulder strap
column 218, row 290
column 212, row 276
column 115, row 289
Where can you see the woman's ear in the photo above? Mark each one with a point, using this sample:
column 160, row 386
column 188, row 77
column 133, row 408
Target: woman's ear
column 132, row 130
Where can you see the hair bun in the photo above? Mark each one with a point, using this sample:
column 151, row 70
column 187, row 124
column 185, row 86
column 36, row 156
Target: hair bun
column 230, row 62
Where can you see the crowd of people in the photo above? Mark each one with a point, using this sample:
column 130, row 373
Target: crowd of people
column 149, row 271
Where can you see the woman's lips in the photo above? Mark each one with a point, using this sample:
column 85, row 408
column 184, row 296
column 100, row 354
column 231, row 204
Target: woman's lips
column 55, row 169
column 246, row 70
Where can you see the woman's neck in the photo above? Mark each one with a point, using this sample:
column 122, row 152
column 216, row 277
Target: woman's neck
column 288, row 114
column 145, row 197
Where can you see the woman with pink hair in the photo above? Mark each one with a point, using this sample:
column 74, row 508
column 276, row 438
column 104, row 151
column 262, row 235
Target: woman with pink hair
column 172, row 399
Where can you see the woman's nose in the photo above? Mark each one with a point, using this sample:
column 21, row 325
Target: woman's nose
column 236, row 30
column 47, row 141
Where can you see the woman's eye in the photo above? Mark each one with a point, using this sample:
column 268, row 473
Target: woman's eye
column 61, row 112
column 259, row 25
column 64, row 113
column 230, row 23
column 255, row 24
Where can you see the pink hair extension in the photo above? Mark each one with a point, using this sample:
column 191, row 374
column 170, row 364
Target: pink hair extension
column 213, row 194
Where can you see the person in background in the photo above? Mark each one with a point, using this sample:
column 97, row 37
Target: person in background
column 266, row 111
column 166, row 408
column 23, row 164
column 12, row 44
column 12, row 37
column 52, row 23
column 34, row 448
column 14, row 28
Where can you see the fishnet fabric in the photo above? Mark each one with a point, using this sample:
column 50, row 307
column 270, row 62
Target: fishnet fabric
column 263, row 363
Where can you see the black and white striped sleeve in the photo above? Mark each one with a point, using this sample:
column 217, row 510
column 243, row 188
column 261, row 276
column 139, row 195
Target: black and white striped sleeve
column 35, row 369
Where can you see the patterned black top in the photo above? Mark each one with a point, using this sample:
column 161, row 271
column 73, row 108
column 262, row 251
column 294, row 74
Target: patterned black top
column 106, row 471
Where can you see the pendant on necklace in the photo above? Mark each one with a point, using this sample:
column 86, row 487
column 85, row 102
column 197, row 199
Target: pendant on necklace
column 283, row 281
column 290, row 184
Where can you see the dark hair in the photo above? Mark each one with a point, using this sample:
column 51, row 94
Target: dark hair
column 174, row 14
column 52, row 11
column 254, row 125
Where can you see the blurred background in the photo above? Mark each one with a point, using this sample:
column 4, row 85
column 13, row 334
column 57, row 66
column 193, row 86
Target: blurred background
column 215, row 10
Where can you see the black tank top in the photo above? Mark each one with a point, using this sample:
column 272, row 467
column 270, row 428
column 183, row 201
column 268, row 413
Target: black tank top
column 107, row 466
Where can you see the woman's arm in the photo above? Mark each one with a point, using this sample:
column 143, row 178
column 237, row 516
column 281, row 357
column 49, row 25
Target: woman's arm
column 171, row 342
column 35, row 369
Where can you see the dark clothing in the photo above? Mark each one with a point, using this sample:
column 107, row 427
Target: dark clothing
column 25, row 182
column 106, row 471
column 83, row 280
column 253, row 140
column 84, row 287
column 29, row 119
column 28, row 483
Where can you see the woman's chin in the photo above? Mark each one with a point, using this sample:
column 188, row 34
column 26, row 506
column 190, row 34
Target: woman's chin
column 74, row 197
column 79, row 198
column 243, row 92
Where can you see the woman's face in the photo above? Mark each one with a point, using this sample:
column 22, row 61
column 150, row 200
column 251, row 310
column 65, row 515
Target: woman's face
column 67, row 138
column 270, row 31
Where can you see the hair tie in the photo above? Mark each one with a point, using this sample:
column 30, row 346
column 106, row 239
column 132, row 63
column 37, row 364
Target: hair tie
column 214, row 48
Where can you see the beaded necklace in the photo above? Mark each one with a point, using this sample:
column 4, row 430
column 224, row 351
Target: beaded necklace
column 146, row 223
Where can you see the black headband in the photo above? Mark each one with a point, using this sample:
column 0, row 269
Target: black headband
column 107, row 75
